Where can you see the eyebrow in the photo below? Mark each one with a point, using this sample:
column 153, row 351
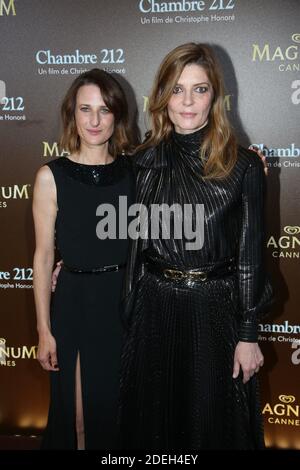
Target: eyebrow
column 195, row 84
column 85, row 104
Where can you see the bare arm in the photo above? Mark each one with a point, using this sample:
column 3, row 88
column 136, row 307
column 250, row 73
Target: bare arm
column 44, row 214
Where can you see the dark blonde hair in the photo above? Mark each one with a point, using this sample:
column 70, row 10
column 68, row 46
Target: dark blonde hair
column 113, row 96
column 219, row 148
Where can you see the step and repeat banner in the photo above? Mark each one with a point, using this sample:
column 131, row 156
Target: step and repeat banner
column 44, row 46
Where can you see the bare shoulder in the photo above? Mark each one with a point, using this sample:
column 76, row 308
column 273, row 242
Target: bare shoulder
column 44, row 185
column 44, row 175
column 44, row 178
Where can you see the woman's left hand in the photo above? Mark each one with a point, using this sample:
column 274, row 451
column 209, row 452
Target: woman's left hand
column 249, row 358
column 261, row 155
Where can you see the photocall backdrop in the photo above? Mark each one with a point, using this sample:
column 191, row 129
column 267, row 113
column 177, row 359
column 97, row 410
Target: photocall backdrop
column 44, row 46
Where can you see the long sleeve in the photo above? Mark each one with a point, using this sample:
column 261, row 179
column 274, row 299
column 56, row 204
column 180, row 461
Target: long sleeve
column 255, row 291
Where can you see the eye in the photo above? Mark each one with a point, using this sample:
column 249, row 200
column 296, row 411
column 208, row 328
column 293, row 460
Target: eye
column 201, row 89
column 84, row 108
column 176, row 90
column 105, row 110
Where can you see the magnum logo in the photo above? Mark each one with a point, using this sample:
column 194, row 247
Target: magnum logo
column 53, row 150
column 15, row 192
column 269, row 53
column 285, row 412
column 7, row 7
column 9, row 354
column 286, row 246
column 292, row 230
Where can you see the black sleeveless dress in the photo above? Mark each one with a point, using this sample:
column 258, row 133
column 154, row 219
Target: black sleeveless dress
column 85, row 311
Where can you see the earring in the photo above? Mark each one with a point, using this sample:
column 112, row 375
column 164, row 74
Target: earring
column 123, row 153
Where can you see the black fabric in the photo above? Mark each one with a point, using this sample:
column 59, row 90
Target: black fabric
column 234, row 220
column 177, row 389
column 98, row 270
column 85, row 310
column 194, row 275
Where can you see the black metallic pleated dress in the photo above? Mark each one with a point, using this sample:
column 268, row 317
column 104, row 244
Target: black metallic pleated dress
column 177, row 390
column 85, row 311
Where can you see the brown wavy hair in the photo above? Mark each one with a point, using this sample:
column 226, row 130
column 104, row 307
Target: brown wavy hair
column 219, row 148
column 113, row 96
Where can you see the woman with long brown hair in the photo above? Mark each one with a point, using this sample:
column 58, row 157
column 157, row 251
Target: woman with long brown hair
column 80, row 335
column 194, row 297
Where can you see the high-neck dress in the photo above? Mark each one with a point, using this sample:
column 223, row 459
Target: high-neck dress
column 85, row 309
column 177, row 390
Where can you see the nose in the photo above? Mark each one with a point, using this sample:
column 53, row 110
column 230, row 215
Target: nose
column 95, row 119
column 188, row 98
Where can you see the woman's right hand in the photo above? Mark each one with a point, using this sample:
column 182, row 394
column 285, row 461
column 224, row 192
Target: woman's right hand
column 248, row 358
column 55, row 275
column 46, row 354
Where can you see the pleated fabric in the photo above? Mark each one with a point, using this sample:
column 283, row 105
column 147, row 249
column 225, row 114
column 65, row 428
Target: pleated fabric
column 177, row 386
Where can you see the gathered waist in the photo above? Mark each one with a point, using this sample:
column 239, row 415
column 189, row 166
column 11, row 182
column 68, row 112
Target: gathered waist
column 96, row 270
column 203, row 273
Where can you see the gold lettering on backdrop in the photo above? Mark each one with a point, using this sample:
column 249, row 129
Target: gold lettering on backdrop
column 267, row 409
column 7, row 7
column 227, row 102
column 21, row 193
column 284, row 242
column 53, row 150
column 16, row 352
column 145, row 103
column 283, row 409
column 15, row 192
column 28, row 353
column 290, row 53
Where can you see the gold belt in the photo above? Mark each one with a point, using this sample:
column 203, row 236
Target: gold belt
column 213, row 272
column 176, row 274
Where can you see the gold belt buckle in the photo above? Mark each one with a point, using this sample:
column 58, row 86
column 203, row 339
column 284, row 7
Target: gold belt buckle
column 200, row 275
column 174, row 274
column 177, row 274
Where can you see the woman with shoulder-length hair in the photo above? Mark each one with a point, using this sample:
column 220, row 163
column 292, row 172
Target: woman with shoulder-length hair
column 80, row 341
column 196, row 283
